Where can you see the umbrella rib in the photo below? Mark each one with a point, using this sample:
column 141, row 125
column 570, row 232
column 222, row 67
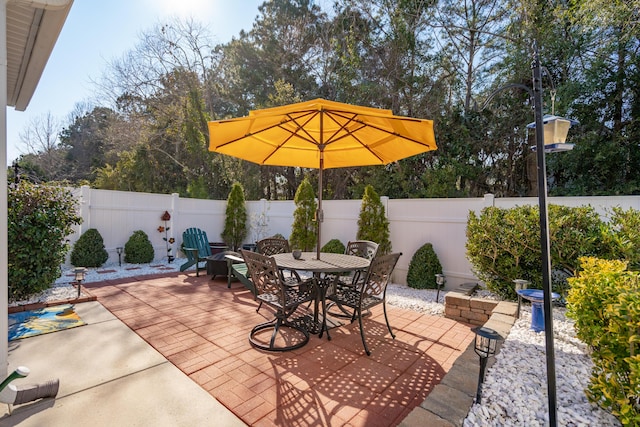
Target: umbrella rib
column 310, row 139
column 386, row 131
column 300, row 127
column 348, row 132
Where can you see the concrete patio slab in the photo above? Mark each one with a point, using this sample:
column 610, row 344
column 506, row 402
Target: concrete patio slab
column 108, row 376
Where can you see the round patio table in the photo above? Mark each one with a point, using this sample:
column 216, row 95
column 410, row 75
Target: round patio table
column 328, row 263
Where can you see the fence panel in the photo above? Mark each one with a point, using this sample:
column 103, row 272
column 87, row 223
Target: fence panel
column 412, row 222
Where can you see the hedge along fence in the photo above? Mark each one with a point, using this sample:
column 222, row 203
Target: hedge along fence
column 604, row 300
column 504, row 244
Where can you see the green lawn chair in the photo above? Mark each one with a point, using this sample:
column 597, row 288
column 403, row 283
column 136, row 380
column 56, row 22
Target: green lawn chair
column 196, row 248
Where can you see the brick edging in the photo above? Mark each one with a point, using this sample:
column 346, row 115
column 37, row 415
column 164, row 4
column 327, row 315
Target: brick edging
column 39, row 305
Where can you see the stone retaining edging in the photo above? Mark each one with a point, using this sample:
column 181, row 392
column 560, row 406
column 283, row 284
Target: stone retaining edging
column 449, row 402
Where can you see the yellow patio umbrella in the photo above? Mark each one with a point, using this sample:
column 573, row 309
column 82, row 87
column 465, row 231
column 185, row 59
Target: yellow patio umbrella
column 321, row 134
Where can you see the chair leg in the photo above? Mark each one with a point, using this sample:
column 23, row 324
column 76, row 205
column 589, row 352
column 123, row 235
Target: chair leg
column 275, row 333
column 364, row 341
column 384, row 309
column 259, row 305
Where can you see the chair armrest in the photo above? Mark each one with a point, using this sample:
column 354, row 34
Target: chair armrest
column 234, row 258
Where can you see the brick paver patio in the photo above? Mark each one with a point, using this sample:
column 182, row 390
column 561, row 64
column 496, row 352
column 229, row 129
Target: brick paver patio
column 202, row 327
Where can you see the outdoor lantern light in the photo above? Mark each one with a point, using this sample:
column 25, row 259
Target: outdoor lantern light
column 520, row 285
column 119, row 249
column 439, row 281
column 555, row 133
column 485, row 347
column 79, row 277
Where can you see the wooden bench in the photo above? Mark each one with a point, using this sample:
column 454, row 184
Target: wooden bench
column 238, row 269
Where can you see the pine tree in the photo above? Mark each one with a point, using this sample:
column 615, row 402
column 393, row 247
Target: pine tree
column 304, row 232
column 373, row 223
column 235, row 224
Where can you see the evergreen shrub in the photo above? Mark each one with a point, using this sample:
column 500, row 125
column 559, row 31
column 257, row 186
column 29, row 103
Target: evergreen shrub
column 423, row 268
column 40, row 217
column 89, row 250
column 604, row 301
column 235, row 223
column 304, row 231
column 333, row 246
column 504, row 245
column 373, row 224
column 138, row 249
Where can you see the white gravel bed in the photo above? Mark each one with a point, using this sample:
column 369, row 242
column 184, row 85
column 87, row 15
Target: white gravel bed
column 514, row 391
column 63, row 289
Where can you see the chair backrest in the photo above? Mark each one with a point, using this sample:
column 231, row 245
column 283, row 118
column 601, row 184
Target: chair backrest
column 379, row 274
column 273, row 245
column 263, row 272
column 196, row 238
column 362, row 248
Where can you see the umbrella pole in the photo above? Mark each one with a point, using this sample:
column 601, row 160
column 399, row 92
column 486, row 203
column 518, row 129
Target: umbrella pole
column 320, row 215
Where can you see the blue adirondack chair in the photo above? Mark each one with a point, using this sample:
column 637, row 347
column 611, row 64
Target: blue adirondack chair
column 196, row 248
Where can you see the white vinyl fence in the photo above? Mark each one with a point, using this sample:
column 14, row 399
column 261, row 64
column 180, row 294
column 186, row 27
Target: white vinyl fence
column 413, row 222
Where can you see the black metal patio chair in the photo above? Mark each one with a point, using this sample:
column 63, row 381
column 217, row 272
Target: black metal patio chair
column 284, row 298
column 372, row 292
column 364, row 249
column 273, row 245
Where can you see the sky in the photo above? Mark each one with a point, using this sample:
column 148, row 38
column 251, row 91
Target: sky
column 97, row 32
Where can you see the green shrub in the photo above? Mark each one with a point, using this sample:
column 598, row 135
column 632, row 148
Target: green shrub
column 304, row 230
column 40, row 218
column 423, row 268
column 333, row 246
column 622, row 235
column 604, row 301
column 138, row 249
column 235, row 223
column 373, row 224
column 504, row 244
column 89, row 250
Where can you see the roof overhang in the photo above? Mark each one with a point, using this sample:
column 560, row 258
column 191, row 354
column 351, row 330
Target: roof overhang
column 33, row 27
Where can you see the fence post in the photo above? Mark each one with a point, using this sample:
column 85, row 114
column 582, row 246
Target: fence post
column 488, row 200
column 175, row 207
column 85, row 209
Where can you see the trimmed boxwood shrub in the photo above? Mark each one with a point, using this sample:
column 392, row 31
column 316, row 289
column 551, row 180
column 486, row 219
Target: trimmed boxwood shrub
column 89, row 250
column 423, row 268
column 333, row 246
column 504, row 245
column 138, row 249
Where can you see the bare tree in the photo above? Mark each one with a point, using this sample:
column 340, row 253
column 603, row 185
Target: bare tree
column 40, row 138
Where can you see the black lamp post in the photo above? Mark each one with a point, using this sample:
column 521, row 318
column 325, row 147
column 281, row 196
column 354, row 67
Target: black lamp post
column 439, row 282
column 485, row 346
column 79, row 273
column 544, row 229
column 554, row 128
column 119, row 250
